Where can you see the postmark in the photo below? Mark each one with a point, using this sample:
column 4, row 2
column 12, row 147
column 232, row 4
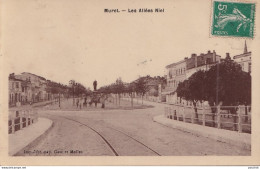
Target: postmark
column 233, row 19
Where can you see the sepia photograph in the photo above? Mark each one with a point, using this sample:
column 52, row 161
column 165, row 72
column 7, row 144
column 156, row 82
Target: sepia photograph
column 85, row 81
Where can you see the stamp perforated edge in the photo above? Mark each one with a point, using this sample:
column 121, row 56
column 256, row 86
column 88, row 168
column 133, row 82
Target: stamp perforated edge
column 232, row 37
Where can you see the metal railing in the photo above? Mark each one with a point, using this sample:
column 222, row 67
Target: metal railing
column 236, row 118
column 21, row 118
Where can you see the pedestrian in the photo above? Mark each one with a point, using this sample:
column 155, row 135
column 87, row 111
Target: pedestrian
column 77, row 103
column 81, row 103
column 85, row 102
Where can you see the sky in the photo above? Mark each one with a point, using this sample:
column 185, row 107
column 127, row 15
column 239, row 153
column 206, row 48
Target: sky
column 64, row 40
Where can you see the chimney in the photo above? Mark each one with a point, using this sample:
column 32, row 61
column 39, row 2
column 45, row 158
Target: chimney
column 193, row 55
column 196, row 61
column 208, row 51
column 214, row 56
column 228, row 56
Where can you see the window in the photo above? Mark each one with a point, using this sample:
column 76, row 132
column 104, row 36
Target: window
column 242, row 65
column 170, row 74
column 17, row 84
column 249, row 67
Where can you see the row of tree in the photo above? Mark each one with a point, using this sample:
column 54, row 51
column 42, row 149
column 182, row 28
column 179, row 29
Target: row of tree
column 77, row 89
column 56, row 88
column 223, row 84
column 74, row 89
column 140, row 86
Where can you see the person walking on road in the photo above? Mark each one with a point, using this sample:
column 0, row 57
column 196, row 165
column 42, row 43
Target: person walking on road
column 77, row 103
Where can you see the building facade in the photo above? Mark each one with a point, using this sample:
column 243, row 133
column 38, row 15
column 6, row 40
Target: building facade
column 176, row 73
column 182, row 70
column 37, row 86
column 244, row 60
column 15, row 90
column 27, row 88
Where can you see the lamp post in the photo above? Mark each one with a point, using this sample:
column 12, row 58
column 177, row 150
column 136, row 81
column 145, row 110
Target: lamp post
column 59, row 99
column 72, row 82
column 77, row 89
column 217, row 87
column 73, row 91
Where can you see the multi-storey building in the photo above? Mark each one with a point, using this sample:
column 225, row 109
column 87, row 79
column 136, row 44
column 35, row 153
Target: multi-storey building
column 176, row 73
column 29, row 88
column 38, row 86
column 182, row 70
column 19, row 91
column 15, row 90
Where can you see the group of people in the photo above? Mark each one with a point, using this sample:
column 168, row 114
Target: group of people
column 81, row 102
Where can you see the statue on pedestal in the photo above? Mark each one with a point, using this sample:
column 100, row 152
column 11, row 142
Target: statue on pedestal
column 95, row 85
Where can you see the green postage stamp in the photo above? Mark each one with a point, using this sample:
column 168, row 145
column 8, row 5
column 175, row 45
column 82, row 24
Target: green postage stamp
column 234, row 19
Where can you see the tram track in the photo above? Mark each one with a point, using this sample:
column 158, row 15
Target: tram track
column 105, row 140
column 110, row 145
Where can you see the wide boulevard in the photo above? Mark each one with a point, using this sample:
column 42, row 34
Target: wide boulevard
column 119, row 132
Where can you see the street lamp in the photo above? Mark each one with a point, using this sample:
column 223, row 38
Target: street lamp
column 59, row 99
column 217, row 87
column 72, row 82
column 73, row 86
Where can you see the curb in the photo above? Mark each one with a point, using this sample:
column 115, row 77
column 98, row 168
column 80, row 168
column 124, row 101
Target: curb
column 242, row 140
column 36, row 140
column 17, row 149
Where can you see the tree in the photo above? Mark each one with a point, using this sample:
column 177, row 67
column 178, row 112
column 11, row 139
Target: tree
column 245, row 97
column 119, row 88
column 141, row 86
column 228, row 85
column 193, row 89
column 225, row 84
column 130, row 89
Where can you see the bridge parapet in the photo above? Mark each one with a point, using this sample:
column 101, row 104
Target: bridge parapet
column 20, row 118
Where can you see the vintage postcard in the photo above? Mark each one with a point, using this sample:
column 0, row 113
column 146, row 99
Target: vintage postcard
column 148, row 82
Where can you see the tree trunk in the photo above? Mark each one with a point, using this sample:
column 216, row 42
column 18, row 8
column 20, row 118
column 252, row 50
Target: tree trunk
column 233, row 111
column 59, row 100
column 246, row 114
column 119, row 98
column 196, row 111
column 142, row 98
column 132, row 102
column 213, row 111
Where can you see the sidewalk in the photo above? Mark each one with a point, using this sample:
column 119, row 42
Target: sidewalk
column 24, row 137
column 34, row 105
column 239, row 139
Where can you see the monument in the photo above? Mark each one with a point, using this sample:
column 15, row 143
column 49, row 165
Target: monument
column 95, row 85
column 95, row 97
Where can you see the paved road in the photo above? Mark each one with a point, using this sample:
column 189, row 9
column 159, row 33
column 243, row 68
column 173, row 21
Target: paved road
column 123, row 133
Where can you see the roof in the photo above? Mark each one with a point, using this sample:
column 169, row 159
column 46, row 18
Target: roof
column 176, row 63
column 242, row 55
column 34, row 75
column 13, row 78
